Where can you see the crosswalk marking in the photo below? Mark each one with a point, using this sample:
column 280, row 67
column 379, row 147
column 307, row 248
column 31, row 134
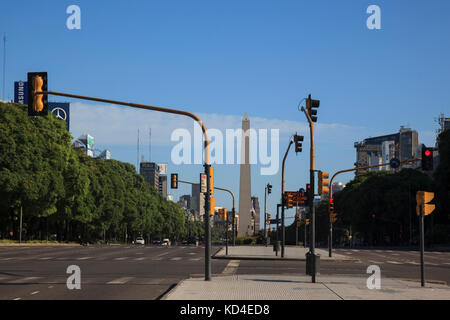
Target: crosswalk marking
column 231, row 267
column 46, row 258
column 33, row 293
column 120, row 280
column 139, row 259
column 194, row 259
column 5, row 259
column 84, row 258
column 122, row 258
column 176, row 259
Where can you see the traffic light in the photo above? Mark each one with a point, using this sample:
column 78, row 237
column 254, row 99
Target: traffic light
column 269, row 188
column 37, row 103
column 310, row 104
column 331, row 206
column 333, row 217
column 307, row 221
column 298, row 143
column 323, row 183
column 308, row 193
column 174, row 180
column 211, row 179
column 422, row 199
column 427, row 159
column 297, row 217
column 213, row 204
column 268, row 218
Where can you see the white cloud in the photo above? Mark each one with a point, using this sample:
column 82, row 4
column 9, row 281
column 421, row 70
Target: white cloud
column 114, row 125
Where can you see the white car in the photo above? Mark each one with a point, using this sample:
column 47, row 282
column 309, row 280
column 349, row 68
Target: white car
column 140, row 240
column 165, row 242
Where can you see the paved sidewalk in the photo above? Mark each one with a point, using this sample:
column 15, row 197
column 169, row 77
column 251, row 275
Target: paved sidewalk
column 267, row 253
column 285, row 287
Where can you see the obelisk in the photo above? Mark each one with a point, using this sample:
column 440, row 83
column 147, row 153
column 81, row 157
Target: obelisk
column 245, row 200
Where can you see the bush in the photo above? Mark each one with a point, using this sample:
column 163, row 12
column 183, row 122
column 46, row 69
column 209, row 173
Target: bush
column 248, row 240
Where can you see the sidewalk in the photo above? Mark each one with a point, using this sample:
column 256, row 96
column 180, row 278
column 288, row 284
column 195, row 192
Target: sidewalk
column 285, row 287
column 267, row 253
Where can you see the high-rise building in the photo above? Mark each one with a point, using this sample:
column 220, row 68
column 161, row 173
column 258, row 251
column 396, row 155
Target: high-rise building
column 257, row 213
column 245, row 201
column 162, row 185
column 377, row 150
column 185, row 202
column 197, row 201
column 150, row 172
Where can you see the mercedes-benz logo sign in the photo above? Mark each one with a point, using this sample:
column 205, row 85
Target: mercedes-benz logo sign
column 60, row 113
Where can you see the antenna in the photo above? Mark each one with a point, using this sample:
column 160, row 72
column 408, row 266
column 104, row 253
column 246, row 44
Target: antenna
column 4, row 65
column 150, row 144
column 137, row 165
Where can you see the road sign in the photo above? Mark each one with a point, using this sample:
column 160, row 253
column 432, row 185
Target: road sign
column 394, row 163
column 202, row 183
column 275, row 221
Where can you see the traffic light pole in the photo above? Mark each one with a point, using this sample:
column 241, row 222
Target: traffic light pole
column 265, row 215
column 232, row 213
column 311, row 199
column 282, row 199
column 330, row 244
column 207, row 164
column 422, row 247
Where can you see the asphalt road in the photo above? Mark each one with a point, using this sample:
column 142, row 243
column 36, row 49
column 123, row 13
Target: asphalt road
column 147, row 272
column 393, row 263
column 107, row 272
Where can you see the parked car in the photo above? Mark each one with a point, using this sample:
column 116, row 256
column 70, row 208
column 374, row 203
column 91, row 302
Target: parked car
column 140, row 240
column 165, row 242
column 157, row 240
column 190, row 240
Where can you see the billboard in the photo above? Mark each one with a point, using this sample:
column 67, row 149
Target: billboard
column 162, row 168
column 61, row 110
column 21, row 92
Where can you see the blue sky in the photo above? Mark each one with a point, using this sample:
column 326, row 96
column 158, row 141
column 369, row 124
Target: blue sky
column 221, row 59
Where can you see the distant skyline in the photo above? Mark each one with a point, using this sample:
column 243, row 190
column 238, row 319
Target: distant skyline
column 223, row 59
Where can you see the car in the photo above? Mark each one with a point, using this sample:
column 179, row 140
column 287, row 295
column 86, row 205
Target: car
column 140, row 240
column 165, row 242
column 190, row 240
column 157, row 240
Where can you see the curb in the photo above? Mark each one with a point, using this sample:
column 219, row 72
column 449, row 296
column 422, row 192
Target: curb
column 224, row 257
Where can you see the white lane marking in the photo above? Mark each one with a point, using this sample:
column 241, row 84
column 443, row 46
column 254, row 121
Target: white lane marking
column 84, row 258
column 120, row 280
column 176, row 259
column 139, row 259
column 46, row 258
column 231, row 267
column 194, row 259
column 24, row 280
column 394, row 262
column 412, row 262
column 122, row 258
column 395, row 254
column 17, row 299
column 192, row 252
column 162, row 254
column 5, row 259
column 33, row 293
column 50, row 287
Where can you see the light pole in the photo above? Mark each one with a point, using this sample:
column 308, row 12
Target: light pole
column 282, row 199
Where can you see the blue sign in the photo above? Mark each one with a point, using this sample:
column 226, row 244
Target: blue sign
column 21, row 92
column 61, row 110
column 394, row 163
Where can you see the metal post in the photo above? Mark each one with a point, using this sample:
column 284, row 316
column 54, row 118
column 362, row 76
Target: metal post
column 20, row 233
column 265, row 215
column 304, row 244
column 226, row 237
column 282, row 230
column 313, row 227
column 207, row 225
column 330, row 245
column 234, row 227
column 422, row 247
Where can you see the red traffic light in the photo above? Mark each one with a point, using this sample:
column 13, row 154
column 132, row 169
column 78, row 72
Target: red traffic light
column 331, row 200
column 373, row 215
column 427, row 153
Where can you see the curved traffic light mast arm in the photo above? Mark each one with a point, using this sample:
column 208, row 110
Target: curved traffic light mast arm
column 365, row 167
column 140, row 106
column 207, row 164
column 311, row 130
